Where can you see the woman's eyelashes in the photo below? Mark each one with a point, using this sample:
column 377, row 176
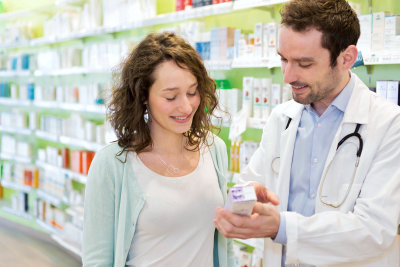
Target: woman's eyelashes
column 189, row 94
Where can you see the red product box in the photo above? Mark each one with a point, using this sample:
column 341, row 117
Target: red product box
column 76, row 161
column 180, row 5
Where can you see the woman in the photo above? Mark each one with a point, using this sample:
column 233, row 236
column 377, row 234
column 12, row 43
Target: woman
column 151, row 196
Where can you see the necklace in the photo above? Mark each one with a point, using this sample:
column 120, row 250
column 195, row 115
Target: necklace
column 170, row 169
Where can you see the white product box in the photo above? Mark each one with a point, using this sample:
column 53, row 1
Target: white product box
column 238, row 33
column 266, row 87
column 248, row 95
column 257, row 98
column 392, row 30
column 247, row 149
column 273, row 29
column 265, row 40
column 8, row 144
column 392, row 94
column 241, row 200
column 378, row 31
column 234, row 100
column 276, row 95
column 100, row 134
column 214, row 44
column 381, row 88
column 258, row 39
column 24, row 149
column 364, row 42
column 222, row 99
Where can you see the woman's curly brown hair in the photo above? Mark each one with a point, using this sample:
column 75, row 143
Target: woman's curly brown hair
column 126, row 109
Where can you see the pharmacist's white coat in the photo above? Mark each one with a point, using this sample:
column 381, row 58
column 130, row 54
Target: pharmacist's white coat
column 362, row 231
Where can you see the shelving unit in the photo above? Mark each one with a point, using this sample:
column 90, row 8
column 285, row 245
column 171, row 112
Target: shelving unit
column 225, row 14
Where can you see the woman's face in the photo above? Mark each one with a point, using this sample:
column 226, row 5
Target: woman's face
column 173, row 99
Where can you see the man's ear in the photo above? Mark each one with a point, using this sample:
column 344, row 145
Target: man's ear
column 348, row 56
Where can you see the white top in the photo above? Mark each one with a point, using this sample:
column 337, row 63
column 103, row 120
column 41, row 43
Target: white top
column 175, row 227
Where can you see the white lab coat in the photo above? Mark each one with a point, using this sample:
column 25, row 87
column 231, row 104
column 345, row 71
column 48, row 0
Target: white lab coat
column 362, row 231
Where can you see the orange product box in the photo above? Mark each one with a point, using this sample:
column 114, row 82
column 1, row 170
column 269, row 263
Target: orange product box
column 35, row 182
column 87, row 157
column 65, row 158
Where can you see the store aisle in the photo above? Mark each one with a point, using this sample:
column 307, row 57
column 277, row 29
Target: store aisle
column 22, row 246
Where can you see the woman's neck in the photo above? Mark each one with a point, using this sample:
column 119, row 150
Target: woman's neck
column 170, row 144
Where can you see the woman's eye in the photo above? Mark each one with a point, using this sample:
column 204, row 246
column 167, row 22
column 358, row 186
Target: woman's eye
column 170, row 98
column 192, row 94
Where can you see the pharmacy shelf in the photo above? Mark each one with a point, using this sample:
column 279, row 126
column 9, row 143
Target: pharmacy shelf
column 246, row 4
column 254, row 63
column 209, row 64
column 75, row 142
column 382, row 59
column 17, row 213
column 80, row 143
column 256, row 123
column 47, row 136
column 28, row 12
column 55, row 201
column 16, row 186
column 46, row 227
column 71, row 71
column 98, row 109
column 14, row 73
column 70, row 174
column 218, row 65
column 76, row 211
column 7, row 101
column 253, row 123
column 15, row 130
column 13, row 157
column 68, row 245
column 173, row 17
column 242, row 63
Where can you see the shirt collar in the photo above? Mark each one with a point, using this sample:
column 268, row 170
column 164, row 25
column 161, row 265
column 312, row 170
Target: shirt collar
column 341, row 101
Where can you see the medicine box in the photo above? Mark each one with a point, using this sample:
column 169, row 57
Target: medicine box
column 241, row 200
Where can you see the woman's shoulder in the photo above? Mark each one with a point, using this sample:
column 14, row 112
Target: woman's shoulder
column 215, row 141
column 110, row 152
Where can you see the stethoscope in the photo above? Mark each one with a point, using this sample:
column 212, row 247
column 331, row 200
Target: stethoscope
column 359, row 151
column 275, row 165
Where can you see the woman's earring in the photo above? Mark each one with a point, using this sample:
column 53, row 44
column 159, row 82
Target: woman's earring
column 146, row 114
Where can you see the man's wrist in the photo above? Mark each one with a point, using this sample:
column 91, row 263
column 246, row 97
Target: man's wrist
column 281, row 235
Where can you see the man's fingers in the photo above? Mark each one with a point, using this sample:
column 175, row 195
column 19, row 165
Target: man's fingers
column 232, row 225
column 264, row 195
column 272, row 197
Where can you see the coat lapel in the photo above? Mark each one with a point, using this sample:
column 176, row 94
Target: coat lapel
column 287, row 139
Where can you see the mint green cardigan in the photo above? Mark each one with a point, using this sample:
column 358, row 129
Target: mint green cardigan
column 113, row 201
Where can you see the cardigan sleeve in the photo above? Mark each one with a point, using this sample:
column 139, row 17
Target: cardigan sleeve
column 99, row 212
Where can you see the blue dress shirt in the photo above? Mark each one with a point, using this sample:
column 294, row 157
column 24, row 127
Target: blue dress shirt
column 310, row 152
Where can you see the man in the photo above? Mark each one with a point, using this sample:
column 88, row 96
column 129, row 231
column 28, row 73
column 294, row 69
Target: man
column 331, row 154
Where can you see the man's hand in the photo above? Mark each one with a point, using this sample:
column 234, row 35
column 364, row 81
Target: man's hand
column 263, row 222
column 264, row 195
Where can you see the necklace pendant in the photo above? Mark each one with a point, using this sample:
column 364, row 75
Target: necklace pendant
column 172, row 169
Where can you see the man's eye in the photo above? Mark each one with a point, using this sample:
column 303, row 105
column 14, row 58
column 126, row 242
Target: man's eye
column 305, row 65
